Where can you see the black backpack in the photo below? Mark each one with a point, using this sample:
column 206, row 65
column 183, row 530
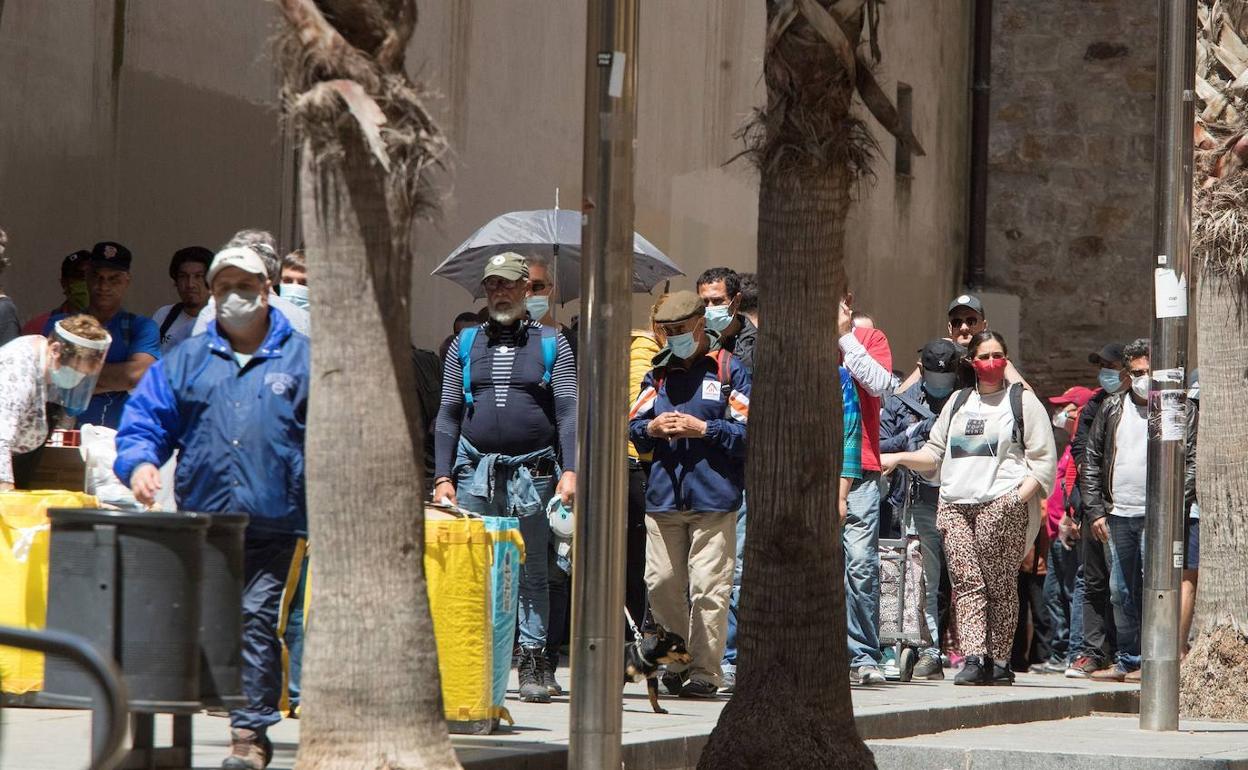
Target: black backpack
column 1016, row 406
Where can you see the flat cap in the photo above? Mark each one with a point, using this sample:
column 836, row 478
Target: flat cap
column 678, row 306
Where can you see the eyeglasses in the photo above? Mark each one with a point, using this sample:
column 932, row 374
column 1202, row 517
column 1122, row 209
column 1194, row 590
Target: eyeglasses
column 494, row 283
column 989, row 356
column 539, row 286
column 970, row 320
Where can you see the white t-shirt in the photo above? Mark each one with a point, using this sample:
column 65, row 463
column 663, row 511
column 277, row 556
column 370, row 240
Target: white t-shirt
column 178, row 330
column 972, row 470
column 1130, row 460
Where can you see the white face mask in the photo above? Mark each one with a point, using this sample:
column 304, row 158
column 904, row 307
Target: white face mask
column 1139, row 386
column 1061, row 419
column 239, row 309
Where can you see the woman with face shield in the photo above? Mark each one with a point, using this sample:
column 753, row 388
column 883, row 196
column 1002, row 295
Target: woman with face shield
column 61, row 368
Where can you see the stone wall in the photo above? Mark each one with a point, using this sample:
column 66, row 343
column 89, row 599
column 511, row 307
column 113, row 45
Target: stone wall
column 1070, row 210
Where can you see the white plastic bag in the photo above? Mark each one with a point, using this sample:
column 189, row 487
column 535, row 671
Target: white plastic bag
column 99, row 450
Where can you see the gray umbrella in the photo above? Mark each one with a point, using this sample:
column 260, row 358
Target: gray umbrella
column 551, row 233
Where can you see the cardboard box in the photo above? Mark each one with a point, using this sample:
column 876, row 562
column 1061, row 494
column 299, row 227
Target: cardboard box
column 60, row 467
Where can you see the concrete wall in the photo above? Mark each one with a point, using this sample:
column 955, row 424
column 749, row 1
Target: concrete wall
column 1070, row 194
column 195, row 153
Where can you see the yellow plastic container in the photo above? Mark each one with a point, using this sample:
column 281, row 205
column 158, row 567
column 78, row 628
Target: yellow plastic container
column 24, row 576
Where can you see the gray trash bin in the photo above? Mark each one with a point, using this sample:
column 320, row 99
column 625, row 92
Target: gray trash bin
column 130, row 583
column 221, row 614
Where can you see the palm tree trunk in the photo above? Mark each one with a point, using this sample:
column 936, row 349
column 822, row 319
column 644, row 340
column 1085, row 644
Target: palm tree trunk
column 792, row 707
column 1213, row 684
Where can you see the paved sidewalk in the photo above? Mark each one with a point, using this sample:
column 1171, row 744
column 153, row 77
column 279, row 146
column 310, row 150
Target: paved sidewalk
column 36, row 739
column 1089, row 743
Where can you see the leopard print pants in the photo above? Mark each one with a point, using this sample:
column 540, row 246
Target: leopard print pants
column 984, row 545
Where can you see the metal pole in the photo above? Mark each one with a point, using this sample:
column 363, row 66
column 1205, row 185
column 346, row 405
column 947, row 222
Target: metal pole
column 602, row 478
column 1159, row 689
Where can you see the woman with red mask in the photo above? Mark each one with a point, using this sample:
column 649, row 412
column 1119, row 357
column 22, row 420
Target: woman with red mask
column 993, row 480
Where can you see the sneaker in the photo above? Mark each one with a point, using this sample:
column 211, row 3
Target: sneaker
column 1114, row 673
column 972, row 672
column 698, row 688
column 728, row 680
column 928, row 667
column 531, row 668
column 674, row 681
column 1054, row 666
column 1082, row 668
column 249, row 750
column 870, row 674
column 1002, row 675
column 1133, row 677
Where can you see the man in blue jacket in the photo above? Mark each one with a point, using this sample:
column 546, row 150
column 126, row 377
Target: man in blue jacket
column 691, row 413
column 233, row 402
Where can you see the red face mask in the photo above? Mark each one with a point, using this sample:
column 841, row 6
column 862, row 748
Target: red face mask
column 990, row 372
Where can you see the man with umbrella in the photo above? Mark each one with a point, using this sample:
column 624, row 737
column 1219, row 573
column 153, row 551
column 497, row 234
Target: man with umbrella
column 506, row 421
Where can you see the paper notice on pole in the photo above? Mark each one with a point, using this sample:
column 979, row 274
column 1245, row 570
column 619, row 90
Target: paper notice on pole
column 615, row 86
column 1168, row 375
column 1173, row 415
column 1171, row 293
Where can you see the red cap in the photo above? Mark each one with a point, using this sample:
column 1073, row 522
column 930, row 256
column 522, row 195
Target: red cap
column 1077, row 395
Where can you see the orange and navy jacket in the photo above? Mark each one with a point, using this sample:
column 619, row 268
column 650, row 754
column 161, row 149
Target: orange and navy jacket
column 695, row 474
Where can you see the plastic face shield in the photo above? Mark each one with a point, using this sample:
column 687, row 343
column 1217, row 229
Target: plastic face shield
column 73, row 378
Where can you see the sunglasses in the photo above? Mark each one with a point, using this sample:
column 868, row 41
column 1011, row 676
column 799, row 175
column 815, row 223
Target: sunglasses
column 538, row 286
column 970, row 320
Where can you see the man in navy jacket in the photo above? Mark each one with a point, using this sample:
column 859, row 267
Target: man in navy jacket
column 691, row 414
column 233, row 402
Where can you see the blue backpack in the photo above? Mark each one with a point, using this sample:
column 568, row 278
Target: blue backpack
column 550, row 348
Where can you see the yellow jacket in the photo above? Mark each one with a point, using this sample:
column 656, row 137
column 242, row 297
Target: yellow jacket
column 642, row 348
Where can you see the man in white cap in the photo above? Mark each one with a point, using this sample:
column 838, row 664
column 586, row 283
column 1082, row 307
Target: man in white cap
column 234, row 400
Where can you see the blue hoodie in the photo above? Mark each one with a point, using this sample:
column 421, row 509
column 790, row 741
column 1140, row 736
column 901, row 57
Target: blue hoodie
column 695, row 474
column 240, row 430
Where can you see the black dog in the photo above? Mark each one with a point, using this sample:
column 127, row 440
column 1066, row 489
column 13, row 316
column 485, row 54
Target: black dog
column 643, row 657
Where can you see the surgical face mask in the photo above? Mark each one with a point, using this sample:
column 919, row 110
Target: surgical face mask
column 66, row 377
column 538, row 306
column 1110, row 380
column 683, row 346
column 718, row 317
column 936, row 391
column 79, row 295
column 295, row 293
column 239, row 309
column 1061, row 419
column 1139, row 386
column 1194, row 393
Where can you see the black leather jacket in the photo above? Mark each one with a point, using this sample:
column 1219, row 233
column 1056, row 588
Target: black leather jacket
column 1096, row 476
column 1189, row 469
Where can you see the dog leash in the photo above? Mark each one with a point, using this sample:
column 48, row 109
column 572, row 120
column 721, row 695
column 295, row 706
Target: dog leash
column 632, row 625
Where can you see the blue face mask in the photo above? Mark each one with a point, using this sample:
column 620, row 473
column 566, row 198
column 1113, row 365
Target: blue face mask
column 683, row 346
column 66, row 377
column 1110, row 380
column 538, row 306
column 718, row 317
column 937, row 393
column 296, row 294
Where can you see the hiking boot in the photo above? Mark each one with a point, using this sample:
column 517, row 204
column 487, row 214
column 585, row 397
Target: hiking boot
column 870, row 674
column 1082, row 668
column 698, row 688
column 1114, row 673
column 1133, row 677
column 249, row 750
column 972, row 672
column 1002, row 675
column 673, row 681
column 548, row 674
column 928, row 667
column 532, row 687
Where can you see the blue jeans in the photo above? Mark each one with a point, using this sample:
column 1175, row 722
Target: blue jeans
column 266, row 563
column 1059, row 589
column 294, row 635
column 1126, row 585
column 1076, row 611
column 535, row 530
column 730, row 650
column 861, row 539
column 923, row 514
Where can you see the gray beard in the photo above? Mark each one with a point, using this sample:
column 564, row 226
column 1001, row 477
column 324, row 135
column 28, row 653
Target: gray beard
column 507, row 318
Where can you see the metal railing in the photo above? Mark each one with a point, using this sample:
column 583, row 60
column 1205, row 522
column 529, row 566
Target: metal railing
column 107, row 736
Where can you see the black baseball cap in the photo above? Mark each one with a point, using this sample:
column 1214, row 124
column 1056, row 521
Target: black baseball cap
column 110, row 254
column 1111, row 354
column 967, row 300
column 74, row 262
column 940, row 359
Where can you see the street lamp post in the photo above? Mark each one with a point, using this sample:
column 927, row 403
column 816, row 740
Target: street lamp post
column 602, row 461
column 1159, row 688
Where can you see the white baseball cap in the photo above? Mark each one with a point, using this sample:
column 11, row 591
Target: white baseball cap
column 243, row 257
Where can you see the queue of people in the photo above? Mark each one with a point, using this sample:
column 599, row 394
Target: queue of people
column 963, row 448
